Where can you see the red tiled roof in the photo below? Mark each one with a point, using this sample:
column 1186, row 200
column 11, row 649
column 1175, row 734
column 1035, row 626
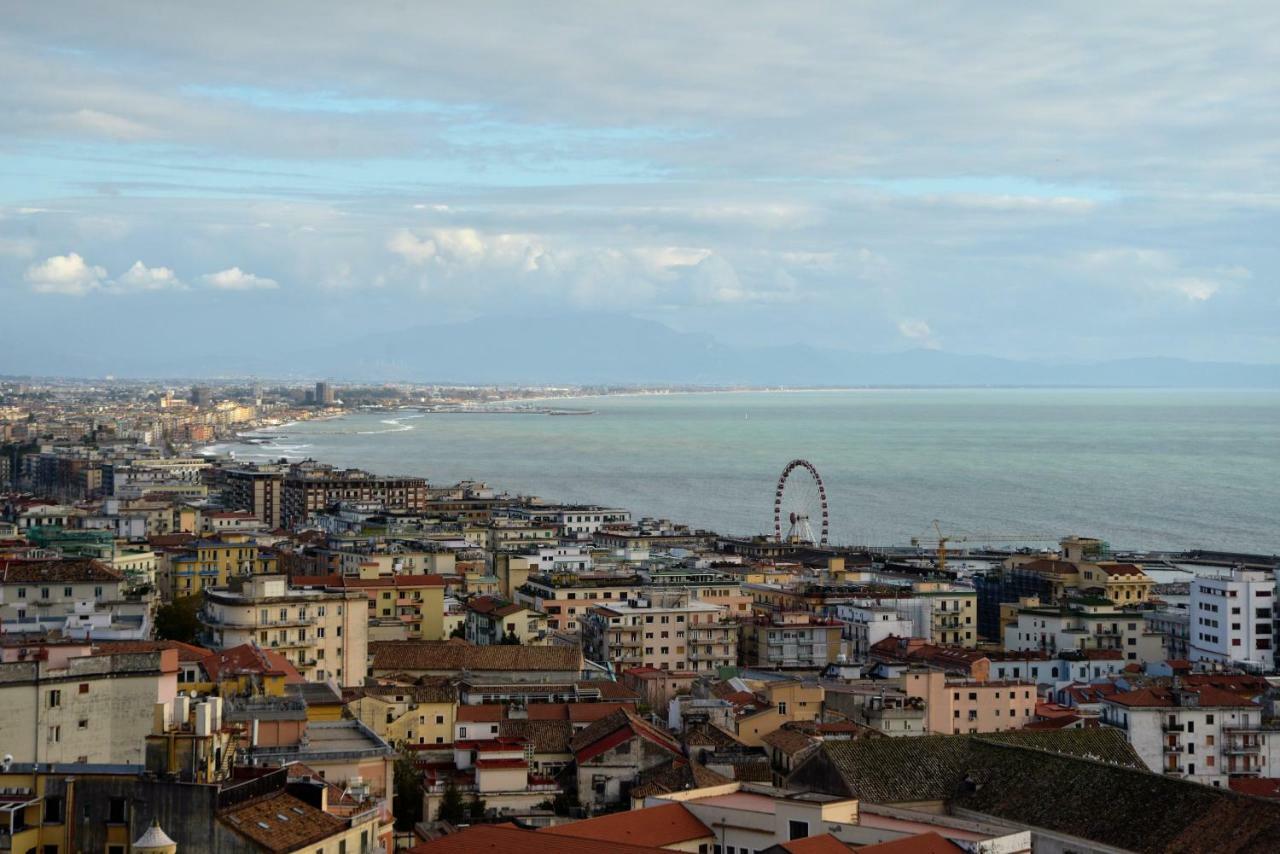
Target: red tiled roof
column 59, row 571
column 1258, row 787
column 658, row 826
column 1162, row 697
column 924, row 843
column 186, row 651
column 503, row 839
column 824, row 844
column 247, row 658
column 501, row 763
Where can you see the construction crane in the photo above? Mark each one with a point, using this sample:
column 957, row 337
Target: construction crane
column 942, row 539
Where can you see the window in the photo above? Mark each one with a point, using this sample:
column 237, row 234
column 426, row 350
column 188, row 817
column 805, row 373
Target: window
column 55, row 698
column 797, row 829
column 84, row 687
column 116, row 812
column 66, row 592
column 53, row 810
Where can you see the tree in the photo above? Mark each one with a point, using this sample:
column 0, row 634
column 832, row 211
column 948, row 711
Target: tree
column 459, row 631
column 452, row 809
column 476, row 810
column 408, row 790
column 510, row 639
column 179, row 620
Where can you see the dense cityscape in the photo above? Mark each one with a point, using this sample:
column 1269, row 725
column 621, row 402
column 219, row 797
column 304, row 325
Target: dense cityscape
column 214, row 654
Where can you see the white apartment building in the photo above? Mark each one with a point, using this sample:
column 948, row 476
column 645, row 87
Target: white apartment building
column 1231, row 618
column 1079, row 628
column 667, row 632
column 867, row 622
column 563, row 558
column 323, row 633
column 1204, row 734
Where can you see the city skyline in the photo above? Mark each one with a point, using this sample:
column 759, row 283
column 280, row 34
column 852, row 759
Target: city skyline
column 1092, row 186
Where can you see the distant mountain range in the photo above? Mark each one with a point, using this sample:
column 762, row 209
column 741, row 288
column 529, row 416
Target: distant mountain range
column 608, row 349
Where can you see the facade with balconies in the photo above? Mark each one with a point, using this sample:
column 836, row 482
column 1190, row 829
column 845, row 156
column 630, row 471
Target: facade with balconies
column 1202, row 733
column 323, row 633
column 666, row 632
column 1085, row 625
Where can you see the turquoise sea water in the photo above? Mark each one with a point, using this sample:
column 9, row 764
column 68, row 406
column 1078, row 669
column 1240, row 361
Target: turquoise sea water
column 1143, row 469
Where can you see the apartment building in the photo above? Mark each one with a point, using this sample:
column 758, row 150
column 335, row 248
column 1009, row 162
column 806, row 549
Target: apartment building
column 1086, row 625
column 866, row 622
column 72, row 703
column 491, row 620
column 55, row 589
column 791, row 640
column 400, row 607
column 666, row 632
column 255, row 489
column 942, row 613
column 707, row 585
column 311, row 487
column 956, row 706
column 322, row 633
column 1197, row 732
column 1084, row 567
column 213, row 562
column 1231, row 619
column 567, row 599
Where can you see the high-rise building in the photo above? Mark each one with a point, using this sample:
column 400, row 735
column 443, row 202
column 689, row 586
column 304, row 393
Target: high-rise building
column 324, row 394
column 201, row 395
column 1232, row 618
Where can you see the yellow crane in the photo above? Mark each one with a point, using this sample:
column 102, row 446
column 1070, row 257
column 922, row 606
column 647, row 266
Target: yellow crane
column 942, row 538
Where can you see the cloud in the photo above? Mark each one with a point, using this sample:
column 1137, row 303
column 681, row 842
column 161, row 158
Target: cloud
column 1161, row 272
column 64, row 274
column 235, row 279
column 917, row 331
column 140, row 277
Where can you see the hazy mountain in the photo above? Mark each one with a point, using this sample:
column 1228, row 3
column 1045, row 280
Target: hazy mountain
column 618, row 349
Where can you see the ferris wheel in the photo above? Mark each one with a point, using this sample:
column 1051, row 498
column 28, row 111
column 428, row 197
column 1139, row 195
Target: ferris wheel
column 801, row 502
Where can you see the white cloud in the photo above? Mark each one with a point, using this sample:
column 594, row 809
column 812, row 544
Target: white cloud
column 1160, row 271
column 64, row 274
column 235, row 279
column 140, row 277
column 917, row 331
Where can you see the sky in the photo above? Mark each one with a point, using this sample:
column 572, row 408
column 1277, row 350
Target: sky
column 1048, row 181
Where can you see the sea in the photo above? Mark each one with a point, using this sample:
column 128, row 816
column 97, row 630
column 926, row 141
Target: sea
column 1142, row 469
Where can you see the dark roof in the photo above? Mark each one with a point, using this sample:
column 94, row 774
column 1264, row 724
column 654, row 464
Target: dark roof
column 930, row 768
column 1064, row 781
column 448, row 656
column 922, row 843
column 619, row 726
column 547, row 736
column 676, row 776
column 61, row 571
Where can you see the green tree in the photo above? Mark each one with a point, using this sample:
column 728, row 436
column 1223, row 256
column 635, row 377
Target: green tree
column 178, row 620
column 476, row 810
column 510, row 639
column 407, row 805
column 452, row 809
column 459, row 631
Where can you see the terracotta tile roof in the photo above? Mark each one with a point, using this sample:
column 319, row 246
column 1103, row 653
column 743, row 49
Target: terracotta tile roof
column 424, row 691
column 1258, row 787
column 615, row 728
column 503, row 839
column 545, row 736
column 486, row 713
column 448, row 657
column 923, row 843
column 249, row 659
column 59, row 571
column 824, row 844
column 676, row 776
column 1161, row 697
column 789, row 741
column 707, row 734
column 1121, row 569
column 659, row 827
column 281, row 823
column 493, row 606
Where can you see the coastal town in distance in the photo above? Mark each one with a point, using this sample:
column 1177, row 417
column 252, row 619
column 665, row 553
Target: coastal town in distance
column 202, row 650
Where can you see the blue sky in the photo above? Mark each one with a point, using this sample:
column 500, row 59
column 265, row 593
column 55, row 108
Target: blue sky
column 1052, row 182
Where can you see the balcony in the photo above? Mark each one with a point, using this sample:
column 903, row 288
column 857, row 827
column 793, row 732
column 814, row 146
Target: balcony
column 1172, row 748
column 1168, row 727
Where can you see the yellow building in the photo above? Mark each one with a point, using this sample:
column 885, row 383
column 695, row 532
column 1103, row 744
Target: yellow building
column 414, row 714
column 212, row 562
column 1085, row 569
column 412, row 604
